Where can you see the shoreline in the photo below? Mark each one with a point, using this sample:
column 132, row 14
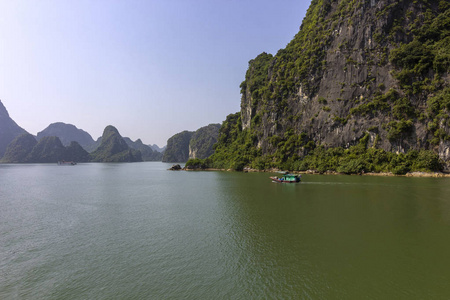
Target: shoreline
column 314, row 172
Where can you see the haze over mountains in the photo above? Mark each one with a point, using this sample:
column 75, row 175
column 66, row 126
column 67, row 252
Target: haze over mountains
column 9, row 130
column 157, row 148
column 25, row 149
column 60, row 141
column 67, row 133
column 363, row 86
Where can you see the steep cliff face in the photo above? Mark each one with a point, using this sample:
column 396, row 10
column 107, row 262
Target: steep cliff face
column 67, row 133
column 178, row 147
column 203, row 140
column 9, row 130
column 376, row 68
column 187, row 144
column 113, row 148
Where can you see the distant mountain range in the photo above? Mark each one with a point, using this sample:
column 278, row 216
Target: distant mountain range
column 67, row 133
column 156, row 148
column 148, row 154
column 61, row 141
column 49, row 149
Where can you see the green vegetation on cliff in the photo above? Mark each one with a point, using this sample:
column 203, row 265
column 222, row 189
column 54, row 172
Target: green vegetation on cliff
column 19, row 149
column 147, row 153
column 178, row 147
column 74, row 152
column 363, row 86
column 187, row 144
column 113, row 148
column 234, row 151
column 203, row 140
column 49, row 149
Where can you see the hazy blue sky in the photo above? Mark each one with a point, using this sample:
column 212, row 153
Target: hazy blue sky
column 150, row 68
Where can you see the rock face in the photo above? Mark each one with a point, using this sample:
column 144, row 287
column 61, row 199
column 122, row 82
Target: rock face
column 67, row 133
column 356, row 68
column 178, row 147
column 9, row 130
column 94, row 146
column 176, row 167
column 187, row 144
column 113, row 148
column 74, row 152
column 148, row 154
column 202, row 141
column 48, row 150
column 19, row 149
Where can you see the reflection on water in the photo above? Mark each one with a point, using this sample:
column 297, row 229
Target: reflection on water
column 102, row 231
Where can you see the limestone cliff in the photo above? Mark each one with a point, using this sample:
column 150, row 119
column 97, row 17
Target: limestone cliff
column 187, row 144
column 113, row 148
column 376, row 68
column 177, row 149
column 203, row 140
column 9, row 130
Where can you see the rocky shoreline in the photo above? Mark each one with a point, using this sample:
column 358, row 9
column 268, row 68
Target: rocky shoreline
column 315, row 172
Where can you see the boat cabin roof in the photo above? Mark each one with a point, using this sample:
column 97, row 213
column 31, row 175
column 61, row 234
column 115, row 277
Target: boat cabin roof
column 287, row 178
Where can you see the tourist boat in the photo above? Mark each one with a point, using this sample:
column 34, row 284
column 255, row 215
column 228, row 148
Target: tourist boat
column 286, row 178
column 66, row 163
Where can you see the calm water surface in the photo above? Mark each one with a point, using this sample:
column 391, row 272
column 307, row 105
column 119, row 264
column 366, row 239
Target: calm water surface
column 137, row 231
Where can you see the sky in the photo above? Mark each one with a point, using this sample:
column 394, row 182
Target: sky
column 150, row 68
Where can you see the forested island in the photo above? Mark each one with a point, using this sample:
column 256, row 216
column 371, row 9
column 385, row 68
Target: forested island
column 363, row 87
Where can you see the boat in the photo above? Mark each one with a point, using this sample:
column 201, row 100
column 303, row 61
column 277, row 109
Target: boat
column 66, row 163
column 286, row 178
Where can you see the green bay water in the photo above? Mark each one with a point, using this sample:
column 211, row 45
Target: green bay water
column 138, row 231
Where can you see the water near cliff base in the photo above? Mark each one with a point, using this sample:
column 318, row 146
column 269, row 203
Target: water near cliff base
column 138, row 231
